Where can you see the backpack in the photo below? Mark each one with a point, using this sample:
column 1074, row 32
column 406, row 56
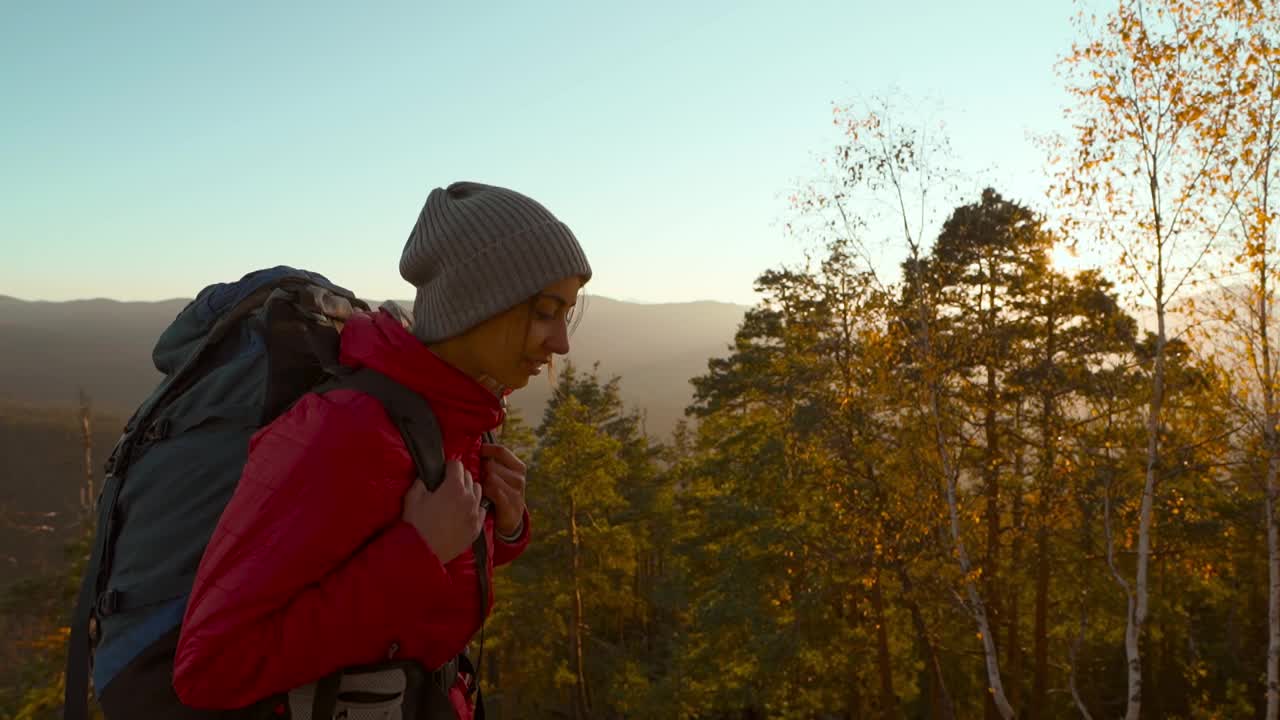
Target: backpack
column 236, row 358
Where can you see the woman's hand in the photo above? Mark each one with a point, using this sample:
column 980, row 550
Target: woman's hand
column 449, row 519
column 502, row 476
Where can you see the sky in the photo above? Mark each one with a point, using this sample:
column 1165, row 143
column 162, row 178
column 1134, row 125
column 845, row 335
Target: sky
column 150, row 149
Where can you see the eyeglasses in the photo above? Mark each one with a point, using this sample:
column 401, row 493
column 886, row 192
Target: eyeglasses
column 560, row 303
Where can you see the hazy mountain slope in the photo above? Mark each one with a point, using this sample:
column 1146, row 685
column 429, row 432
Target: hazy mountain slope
column 49, row 350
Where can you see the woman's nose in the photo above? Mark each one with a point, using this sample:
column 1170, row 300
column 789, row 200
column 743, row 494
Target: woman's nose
column 558, row 342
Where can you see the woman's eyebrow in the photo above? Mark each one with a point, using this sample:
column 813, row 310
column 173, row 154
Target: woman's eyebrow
column 555, row 297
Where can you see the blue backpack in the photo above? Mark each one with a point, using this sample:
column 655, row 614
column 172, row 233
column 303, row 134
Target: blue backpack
column 233, row 360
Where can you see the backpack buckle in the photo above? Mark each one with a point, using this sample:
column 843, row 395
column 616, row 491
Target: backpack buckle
column 157, row 431
column 95, row 631
column 108, row 602
column 114, row 459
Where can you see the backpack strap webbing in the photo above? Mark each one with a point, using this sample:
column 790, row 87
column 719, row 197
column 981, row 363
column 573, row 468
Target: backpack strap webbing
column 408, row 411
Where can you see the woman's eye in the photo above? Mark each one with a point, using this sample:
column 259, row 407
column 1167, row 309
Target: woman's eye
column 546, row 311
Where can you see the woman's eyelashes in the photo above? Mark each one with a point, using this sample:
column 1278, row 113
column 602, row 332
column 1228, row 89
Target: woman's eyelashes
column 552, row 310
column 545, row 311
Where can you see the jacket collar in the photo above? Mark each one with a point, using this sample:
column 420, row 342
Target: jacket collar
column 378, row 341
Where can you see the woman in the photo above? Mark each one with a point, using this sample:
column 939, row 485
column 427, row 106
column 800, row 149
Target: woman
column 330, row 555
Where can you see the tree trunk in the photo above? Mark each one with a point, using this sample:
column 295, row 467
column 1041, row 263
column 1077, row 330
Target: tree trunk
column 1082, row 561
column 1040, row 682
column 943, row 707
column 582, row 698
column 1076, row 644
column 991, row 476
column 1139, row 602
column 88, row 496
column 950, row 478
column 1047, row 486
column 1271, row 440
column 1159, row 648
column 976, row 607
column 991, row 483
column 1273, row 604
column 1040, row 678
column 1013, row 649
column 888, row 698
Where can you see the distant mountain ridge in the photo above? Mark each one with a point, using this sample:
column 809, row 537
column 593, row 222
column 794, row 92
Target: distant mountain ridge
column 50, row 349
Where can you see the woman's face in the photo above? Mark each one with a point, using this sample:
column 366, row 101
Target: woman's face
column 514, row 346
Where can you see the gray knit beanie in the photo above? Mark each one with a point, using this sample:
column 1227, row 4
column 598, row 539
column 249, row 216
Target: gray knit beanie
column 478, row 250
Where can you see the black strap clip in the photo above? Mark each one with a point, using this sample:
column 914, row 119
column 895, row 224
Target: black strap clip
column 107, row 604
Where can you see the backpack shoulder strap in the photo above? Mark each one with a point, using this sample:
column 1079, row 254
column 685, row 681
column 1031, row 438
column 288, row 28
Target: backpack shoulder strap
column 421, row 431
column 409, row 412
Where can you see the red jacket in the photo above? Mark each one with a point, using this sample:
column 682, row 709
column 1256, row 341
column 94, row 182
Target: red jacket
column 311, row 568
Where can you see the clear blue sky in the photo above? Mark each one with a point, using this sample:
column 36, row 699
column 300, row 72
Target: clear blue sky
column 147, row 149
